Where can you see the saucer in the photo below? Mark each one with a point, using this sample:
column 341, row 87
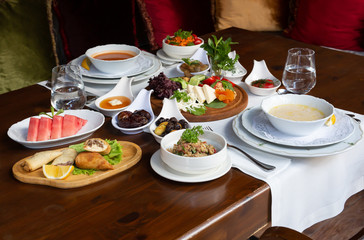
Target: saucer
column 162, row 55
column 290, row 151
column 165, row 171
column 143, row 64
column 255, row 121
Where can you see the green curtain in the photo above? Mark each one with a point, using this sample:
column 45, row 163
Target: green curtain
column 26, row 55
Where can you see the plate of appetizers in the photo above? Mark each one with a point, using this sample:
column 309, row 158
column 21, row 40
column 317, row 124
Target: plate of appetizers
column 89, row 162
column 255, row 121
column 291, row 151
column 144, row 63
column 44, row 131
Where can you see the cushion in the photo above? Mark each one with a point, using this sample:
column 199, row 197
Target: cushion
column 254, row 15
column 332, row 23
column 25, row 46
column 167, row 16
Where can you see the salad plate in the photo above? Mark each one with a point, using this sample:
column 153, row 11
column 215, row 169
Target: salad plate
column 291, row 151
column 255, row 122
column 19, row 131
column 165, row 171
column 143, row 64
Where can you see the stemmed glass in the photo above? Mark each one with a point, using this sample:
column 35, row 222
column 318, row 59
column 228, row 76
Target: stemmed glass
column 299, row 75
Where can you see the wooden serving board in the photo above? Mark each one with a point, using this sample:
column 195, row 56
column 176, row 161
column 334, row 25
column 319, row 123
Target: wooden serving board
column 212, row 114
column 132, row 153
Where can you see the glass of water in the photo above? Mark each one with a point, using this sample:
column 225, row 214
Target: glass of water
column 299, row 75
column 68, row 90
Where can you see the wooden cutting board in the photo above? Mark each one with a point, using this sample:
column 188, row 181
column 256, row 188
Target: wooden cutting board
column 132, row 153
column 212, row 114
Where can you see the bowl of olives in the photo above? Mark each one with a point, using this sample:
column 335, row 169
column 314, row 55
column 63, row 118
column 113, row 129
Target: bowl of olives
column 170, row 119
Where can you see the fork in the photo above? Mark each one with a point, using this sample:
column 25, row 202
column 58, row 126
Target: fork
column 264, row 166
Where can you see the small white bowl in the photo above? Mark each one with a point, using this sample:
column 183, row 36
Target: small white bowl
column 236, row 75
column 194, row 165
column 169, row 110
column 179, row 52
column 122, row 88
column 260, row 71
column 297, row 128
column 113, row 66
column 141, row 102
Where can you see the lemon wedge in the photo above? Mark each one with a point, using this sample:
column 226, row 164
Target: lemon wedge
column 86, row 63
column 57, row 172
column 331, row 121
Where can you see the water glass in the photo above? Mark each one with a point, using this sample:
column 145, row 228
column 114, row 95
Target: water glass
column 299, row 75
column 68, row 90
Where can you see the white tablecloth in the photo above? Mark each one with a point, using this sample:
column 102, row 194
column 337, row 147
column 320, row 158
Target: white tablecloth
column 304, row 190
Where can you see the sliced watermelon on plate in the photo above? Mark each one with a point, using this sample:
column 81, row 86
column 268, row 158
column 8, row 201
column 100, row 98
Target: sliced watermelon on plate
column 44, row 129
column 33, row 129
column 57, row 127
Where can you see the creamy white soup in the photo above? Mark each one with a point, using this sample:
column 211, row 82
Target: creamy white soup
column 297, row 112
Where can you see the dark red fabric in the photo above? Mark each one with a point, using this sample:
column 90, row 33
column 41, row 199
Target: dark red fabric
column 168, row 16
column 84, row 24
column 332, row 23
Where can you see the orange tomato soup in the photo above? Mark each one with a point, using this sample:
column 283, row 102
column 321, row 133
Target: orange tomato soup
column 107, row 102
column 113, row 55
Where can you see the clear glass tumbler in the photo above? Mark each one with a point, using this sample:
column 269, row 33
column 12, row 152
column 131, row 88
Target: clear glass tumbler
column 68, row 90
column 299, row 75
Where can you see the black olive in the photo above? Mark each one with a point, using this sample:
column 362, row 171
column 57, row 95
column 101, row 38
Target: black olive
column 183, row 123
column 169, row 127
column 160, row 120
column 173, row 119
column 177, row 126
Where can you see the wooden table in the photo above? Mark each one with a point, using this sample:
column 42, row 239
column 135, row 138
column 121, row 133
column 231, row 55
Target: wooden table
column 138, row 203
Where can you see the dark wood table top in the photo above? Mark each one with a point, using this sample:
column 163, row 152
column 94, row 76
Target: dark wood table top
column 138, row 203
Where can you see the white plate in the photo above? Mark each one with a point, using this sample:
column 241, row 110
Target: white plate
column 143, row 64
column 289, row 151
column 19, row 131
column 165, row 171
column 255, row 121
column 155, row 70
column 162, row 55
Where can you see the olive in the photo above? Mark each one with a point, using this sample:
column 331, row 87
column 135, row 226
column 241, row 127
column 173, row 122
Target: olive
column 169, row 127
column 177, row 126
column 160, row 120
column 183, row 123
column 173, row 119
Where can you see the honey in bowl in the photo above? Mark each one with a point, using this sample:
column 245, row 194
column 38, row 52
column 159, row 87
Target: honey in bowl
column 115, row 102
column 297, row 112
column 114, row 55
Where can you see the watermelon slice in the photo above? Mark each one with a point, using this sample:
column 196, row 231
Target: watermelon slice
column 71, row 125
column 44, row 129
column 57, row 127
column 33, row 129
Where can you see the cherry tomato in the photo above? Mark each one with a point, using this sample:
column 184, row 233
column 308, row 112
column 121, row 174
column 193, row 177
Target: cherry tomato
column 263, row 83
column 197, row 41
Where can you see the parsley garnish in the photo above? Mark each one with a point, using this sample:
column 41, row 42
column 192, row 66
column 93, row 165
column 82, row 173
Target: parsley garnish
column 191, row 134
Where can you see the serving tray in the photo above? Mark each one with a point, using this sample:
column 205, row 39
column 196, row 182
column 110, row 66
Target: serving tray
column 212, row 114
column 132, row 153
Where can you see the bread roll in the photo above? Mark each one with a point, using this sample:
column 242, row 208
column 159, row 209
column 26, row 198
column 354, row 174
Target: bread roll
column 92, row 160
column 97, row 145
column 67, row 158
column 39, row 159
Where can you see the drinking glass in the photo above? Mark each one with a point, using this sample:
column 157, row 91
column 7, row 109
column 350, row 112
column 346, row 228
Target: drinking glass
column 299, row 75
column 68, row 90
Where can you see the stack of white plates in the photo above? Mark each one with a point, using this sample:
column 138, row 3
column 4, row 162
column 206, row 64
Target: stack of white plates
column 146, row 67
column 253, row 127
column 167, row 60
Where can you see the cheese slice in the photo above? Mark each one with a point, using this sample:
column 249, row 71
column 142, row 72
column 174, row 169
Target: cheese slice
column 209, row 93
column 199, row 94
column 190, row 89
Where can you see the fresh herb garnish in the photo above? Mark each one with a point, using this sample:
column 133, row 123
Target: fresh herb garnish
column 52, row 112
column 198, row 110
column 218, row 50
column 180, row 95
column 216, row 104
column 191, row 134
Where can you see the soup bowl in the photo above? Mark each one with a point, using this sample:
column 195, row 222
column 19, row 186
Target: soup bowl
column 194, row 165
column 297, row 127
column 121, row 57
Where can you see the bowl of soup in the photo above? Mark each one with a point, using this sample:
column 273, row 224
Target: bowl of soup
column 113, row 58
column 297, row 115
